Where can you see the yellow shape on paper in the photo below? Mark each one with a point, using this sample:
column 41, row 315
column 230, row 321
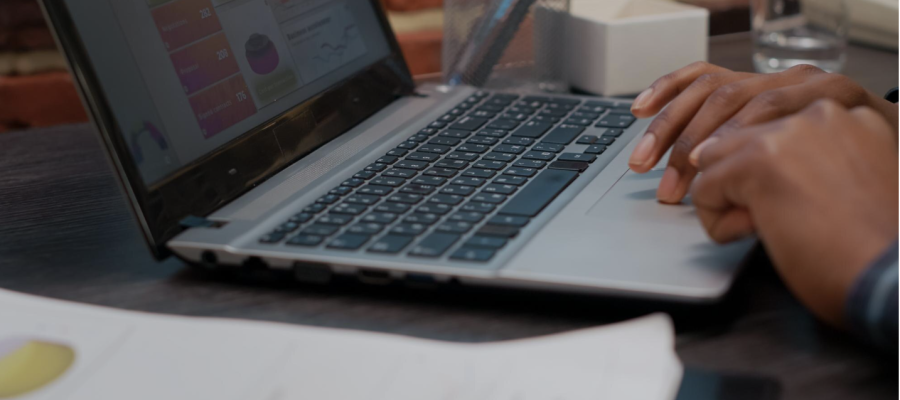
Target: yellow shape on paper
column 33, row 365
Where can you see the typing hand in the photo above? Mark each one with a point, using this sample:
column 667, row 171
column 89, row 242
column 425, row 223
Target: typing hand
column 706, row 100
column 820, row 190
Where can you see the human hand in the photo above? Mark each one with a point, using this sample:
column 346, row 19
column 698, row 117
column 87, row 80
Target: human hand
column 706, row 100
column 818, row 188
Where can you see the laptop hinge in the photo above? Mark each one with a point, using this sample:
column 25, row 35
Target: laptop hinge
column 192, row 221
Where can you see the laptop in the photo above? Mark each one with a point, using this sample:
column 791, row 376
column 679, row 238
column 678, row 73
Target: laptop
column 289, row 135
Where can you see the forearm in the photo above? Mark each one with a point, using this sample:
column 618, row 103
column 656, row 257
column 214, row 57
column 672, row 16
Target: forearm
column 872, row 304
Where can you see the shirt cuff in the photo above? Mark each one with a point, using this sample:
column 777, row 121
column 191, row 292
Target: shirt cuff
column 872, row 305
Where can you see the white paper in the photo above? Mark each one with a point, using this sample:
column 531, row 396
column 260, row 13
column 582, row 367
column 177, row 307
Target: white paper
column 133, row 355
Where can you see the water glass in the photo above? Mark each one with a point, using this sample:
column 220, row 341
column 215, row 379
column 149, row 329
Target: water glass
column 787, row 33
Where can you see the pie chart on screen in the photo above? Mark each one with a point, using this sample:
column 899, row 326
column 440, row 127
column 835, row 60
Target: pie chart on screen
column 28, row 364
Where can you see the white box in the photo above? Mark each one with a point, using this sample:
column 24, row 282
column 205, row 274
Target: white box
column 619, row 47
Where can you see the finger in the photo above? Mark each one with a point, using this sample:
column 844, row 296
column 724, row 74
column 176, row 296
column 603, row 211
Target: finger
column 718, row 188
column 728, row 225
column 664, row 89
column 723, row 103
column 667, row 125
column 871, row 121
column 715, row 150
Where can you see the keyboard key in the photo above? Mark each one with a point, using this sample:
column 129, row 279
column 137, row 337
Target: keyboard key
column 349, row 209
column 565, row 102
column 546, row 119
column 348, row 241
column 474, row 148
column 557, row 114
column 445, row 141
column 486, row 242
column 366, row 199
column 586, row 139
column 518, row 171
column 460, row 155
column 458, row 190
column 434, row 245
column 606, row 140
column 313, row 208
column 305, row 240
column 611, row 132
column 328, row 199
column 319, row 230
column 469, row 123
column 386, row 160
column 498, row 188
column 595, row 149
column 429, row 180
column 353, row 182
column 494, row 133
column 390, row 244
column 494, row 198
column 408, row 229
column 446, row 199
column 485, row 140
column 452, row 133
column 539, row 155
column 615, row 121
column 287, row 227
column 478, row 207
column 429, row 131
column 454, row 227
column 407, row 198
column 399, row 173
column 486, row 164
column 506, row 232
column 446, row 118
column 376, row 190
column 506, row 124
column 478, row 173
column 421, row 218
column 510, row 180
column 522, row 110
column 434, row 148
column 334, row 219
column 398, row 152
column 379, row 217
column 396, row 208
column 437, row 124
column 410, row 164
column 578, row 121
column 340, row 190
column 533, row 129
column 388, row 181
column 364, row 175
column 586, row 114
column 509, row 220
column 550, row 147
column 472, row 254
column 588, row 158
column 416, row 188
column 563, row 134
column 427, row 157
column 579, row 166
column 301, row 218
column 441, row 172
column 366, row 228
column 515, row 116
column 407, row 145
column 539, row 192
column 468, row 181
column 467, row 216
column 376, row 167
column 485, row 113
column 509, row 148
column 536, row 164
column 454, row 164
column 494, row 156
column 273, row 237
column 433, row 208
column 519, row 141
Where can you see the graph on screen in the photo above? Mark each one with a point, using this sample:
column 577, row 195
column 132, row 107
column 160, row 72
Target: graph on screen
column 324, row 41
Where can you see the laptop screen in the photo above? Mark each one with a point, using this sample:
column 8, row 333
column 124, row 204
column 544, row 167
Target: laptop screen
column 185, row 77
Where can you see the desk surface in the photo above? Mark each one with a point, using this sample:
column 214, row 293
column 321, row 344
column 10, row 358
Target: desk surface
column 66, row 232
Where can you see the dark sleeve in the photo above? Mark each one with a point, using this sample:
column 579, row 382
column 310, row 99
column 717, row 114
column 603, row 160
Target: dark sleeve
column 872, row 305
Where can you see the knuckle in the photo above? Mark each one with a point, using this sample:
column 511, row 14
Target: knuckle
column 707, row 80
column 770, row 99
column 682, row 147
column 725, row 94
column 699, row 65
column 806, row 69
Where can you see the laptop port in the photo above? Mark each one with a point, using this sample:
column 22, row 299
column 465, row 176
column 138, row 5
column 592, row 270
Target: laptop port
column 374, row 276
column 312, row 273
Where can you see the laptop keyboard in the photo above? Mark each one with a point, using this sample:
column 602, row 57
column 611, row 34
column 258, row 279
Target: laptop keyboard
column 476, row 175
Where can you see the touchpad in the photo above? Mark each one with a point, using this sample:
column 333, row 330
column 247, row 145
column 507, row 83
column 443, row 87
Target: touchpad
column 633, row 200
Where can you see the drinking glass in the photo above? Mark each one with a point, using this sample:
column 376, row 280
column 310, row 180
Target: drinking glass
column 787, row 33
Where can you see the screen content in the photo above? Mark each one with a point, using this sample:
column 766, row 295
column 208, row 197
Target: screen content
column 184, row 77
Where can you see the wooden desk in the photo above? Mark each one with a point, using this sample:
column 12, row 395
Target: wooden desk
column 65, row 232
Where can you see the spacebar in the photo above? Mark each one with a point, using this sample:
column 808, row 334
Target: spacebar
column 539, row 192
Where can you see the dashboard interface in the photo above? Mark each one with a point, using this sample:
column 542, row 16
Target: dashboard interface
column 184, row 77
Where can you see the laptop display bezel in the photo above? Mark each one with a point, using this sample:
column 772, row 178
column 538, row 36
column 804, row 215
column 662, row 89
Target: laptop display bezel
column 215, row 179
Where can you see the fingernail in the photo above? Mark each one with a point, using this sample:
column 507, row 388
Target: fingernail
column 694, row 157
column 667, row 185
column 642, row 99
column 642, row 151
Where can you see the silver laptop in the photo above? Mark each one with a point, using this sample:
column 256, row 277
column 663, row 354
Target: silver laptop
column 289, row 135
